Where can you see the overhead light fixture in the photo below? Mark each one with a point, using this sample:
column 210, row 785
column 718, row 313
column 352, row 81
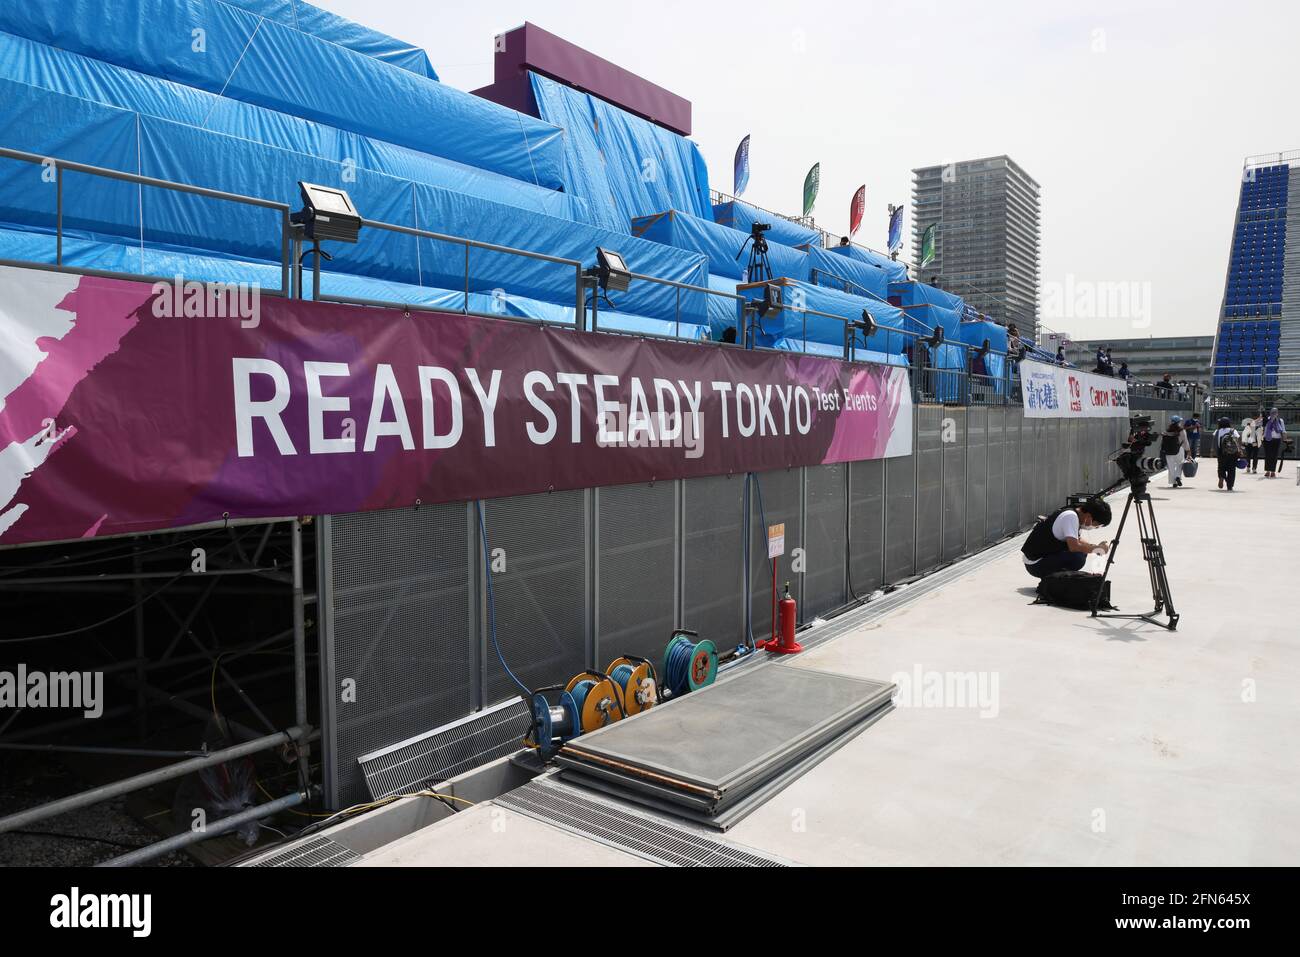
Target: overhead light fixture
column 612, row 271
column 327, row 214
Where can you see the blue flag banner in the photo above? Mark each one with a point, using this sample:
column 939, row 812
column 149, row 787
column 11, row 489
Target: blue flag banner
column 741, row 176
column 895, row 228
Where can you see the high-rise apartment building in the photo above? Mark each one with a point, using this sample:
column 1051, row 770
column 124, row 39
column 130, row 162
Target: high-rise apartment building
column 987, row 235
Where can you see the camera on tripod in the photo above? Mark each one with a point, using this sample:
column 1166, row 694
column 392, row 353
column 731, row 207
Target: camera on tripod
column 1135, row 468
column 759, row 269
column 1129, row 458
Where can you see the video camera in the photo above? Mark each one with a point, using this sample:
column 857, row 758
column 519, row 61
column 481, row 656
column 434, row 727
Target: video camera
column 1128, row 458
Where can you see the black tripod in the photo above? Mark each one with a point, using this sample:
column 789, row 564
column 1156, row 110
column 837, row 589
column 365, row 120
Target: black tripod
column 759, row 269
column 1153, row 552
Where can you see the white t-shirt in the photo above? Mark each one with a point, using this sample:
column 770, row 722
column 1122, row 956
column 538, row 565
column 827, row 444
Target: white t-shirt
column 1065, row 526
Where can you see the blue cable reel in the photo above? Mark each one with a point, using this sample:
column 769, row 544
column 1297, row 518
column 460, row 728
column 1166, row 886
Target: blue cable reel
column 553, row 724
column 689, row 664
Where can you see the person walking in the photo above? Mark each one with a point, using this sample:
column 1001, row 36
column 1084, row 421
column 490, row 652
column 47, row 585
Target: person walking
column 1250, row 439
column 1194, row 436
column 1274, row 433
column 1173, row 445
column 1227, row 448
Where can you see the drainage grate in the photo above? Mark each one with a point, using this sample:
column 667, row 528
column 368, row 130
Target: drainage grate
column 647, row 837
column 445, row 752
column 314, row 852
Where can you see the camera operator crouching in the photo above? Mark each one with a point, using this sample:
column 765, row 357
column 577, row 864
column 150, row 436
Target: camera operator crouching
column 1054, row 544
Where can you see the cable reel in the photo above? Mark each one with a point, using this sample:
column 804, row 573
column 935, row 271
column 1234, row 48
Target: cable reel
column 637, row 682
column 688, row 664
column 553, row 724
column 598, row 700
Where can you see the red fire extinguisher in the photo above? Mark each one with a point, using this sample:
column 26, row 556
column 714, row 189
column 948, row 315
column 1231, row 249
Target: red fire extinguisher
column 785, row 643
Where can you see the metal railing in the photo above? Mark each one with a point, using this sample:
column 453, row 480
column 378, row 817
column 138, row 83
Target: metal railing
column 1256, row 377
column 960, row 386
column 61, row 167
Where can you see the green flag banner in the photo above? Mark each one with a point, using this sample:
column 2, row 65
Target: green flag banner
column 927, row 246
column 810, row 184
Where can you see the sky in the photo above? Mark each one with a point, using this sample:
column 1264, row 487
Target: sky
column 1134, row 117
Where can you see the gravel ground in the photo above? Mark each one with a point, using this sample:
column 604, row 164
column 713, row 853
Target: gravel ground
column 28, row 783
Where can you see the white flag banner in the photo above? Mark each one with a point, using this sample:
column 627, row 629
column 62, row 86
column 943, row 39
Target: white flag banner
column 1053, row 392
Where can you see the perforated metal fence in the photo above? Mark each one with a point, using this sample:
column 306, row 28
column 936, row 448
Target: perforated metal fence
column 581, row 577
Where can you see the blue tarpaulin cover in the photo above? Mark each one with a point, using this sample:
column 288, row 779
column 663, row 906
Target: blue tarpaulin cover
column 929, row 306
column 719, row 243
column 742, row 216
column 75, row 75
column 246, row 57
column 622, row 165
column 328, row 26
column 847, row 274
column 797, row 323
column 76, row 129
column 33, row 246
column 894, row 270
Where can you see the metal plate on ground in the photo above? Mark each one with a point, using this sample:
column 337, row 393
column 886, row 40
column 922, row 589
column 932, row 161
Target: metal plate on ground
column 731, row 735
column 727, row 817
column 628, row 829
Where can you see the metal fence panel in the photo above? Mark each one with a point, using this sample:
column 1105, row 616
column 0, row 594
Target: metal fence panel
column 824, row 540
column 997, row 496
column 541, row 595
column 636, row 587
column 713, row 567
column 582, row 577
column 399, row 633
column 866, row 526
column 954, row 483
column 900, row 514
column 977, row 476
column 781, row 494
column 929, row 486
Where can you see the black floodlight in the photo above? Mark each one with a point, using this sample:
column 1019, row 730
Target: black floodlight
column 936, row 337
column 612, row 271
column 985, row 348
column 867, row 324
column 327, row 214
column 771, row 299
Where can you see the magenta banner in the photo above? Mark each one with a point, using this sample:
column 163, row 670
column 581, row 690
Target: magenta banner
column 129, row 407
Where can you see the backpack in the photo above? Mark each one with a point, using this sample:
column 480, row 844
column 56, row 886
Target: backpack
column 1169, row 443
column 1074, row 590
column 1228, row 446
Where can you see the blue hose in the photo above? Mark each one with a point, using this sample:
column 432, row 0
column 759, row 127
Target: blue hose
column 677, row 665
column 491, row 605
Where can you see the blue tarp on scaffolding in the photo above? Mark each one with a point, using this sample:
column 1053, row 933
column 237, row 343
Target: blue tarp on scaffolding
column 837, row 352
column 329, row 26
column 622, row 165
column 894, row 270
column 71, row 74
column 259, row 61
column 33, row 246
column 797, row 322
column 76, row 129
column 720, row 244
column 847, row 274
column 742, row 216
